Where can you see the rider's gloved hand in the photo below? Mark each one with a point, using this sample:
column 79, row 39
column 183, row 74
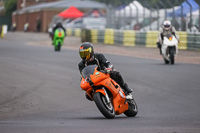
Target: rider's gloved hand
column 109, row 69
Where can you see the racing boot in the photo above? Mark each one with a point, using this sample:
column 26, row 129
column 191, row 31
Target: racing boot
column 127, row 89
column 159, row 46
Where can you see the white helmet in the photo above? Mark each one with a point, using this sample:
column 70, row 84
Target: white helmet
column 167, row 25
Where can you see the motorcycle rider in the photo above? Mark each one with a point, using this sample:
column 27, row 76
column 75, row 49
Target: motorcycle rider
column 86, row 52
column 56, row 26
column 166, row 28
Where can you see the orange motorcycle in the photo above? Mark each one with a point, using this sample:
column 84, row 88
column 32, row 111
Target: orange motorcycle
column 106, row 93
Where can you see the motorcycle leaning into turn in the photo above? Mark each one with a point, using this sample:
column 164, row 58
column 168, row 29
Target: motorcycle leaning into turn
column 106, row 93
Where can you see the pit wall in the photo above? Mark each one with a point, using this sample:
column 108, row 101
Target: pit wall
column 132, row 38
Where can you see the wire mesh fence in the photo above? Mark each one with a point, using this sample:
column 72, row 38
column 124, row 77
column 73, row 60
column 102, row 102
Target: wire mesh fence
column 135, row 16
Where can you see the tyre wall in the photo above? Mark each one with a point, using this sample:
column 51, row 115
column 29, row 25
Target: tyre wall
column 132, row 38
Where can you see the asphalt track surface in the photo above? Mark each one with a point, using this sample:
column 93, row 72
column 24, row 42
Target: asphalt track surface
column 40, row 93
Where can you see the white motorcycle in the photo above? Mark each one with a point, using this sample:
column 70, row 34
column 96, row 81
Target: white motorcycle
column 169, row 48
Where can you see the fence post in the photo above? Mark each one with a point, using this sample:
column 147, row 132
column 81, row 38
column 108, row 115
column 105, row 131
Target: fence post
column 181, row 13
column 164, row 7
column 190, row 14
column 136, row 11
column 130, row 16
column 174, row 16
column 158, row 21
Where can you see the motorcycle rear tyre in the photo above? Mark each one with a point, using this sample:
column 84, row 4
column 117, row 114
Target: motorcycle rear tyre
column 57, row 47
column 132, row 109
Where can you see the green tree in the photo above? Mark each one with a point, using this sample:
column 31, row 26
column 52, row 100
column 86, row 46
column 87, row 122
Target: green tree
column 10, row 6
column 197, row 1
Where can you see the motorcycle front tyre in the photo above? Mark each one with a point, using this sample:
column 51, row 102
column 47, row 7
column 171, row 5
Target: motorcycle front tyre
column 102, row 106
column 166, row 61
column 171, row 53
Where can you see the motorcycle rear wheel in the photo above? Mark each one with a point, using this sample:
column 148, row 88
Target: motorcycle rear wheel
column 132, row 109
column 105, row 108
column 57, row 47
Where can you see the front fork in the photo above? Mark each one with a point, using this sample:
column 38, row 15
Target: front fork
column 103, row 91
column 165, row 51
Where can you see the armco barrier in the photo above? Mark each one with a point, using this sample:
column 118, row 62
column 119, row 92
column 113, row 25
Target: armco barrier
column 183, row 40
column 109, row 36
column 73, row 32
column 1, row 31
column 190, row 40
column 132, row 38
column 140, row 38
column 94, row 36
column 151, row 38
column 100, row 37
column 129, row 38
column 119, row 37
column 197, row 42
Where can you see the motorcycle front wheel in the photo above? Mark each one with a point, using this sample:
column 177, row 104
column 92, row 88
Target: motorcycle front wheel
column 166, row 61
column 171, row 53
column 104, row 107
column 132, row 109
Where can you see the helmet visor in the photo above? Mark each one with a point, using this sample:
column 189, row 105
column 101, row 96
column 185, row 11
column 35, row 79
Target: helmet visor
column 85, row 53
column 166, row 26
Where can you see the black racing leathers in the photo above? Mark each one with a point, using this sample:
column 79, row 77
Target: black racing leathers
column 102, row 63
column 58, row 26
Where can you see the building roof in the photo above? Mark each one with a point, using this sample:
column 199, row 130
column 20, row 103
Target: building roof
column 66, row 4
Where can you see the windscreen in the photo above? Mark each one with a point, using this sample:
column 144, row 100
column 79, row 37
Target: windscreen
column 88, row 70
column 169, row 36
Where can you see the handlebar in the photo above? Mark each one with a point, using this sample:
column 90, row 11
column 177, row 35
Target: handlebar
column 105, row 71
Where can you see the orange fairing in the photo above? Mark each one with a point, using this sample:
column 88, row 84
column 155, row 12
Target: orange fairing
column 84, row 84
column 97, row 77
column 101, row 91
column 94, row 79
column 59, row 34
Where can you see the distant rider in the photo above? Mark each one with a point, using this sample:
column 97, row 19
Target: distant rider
column 56, row 26
column 88, row 57
column 167, row 28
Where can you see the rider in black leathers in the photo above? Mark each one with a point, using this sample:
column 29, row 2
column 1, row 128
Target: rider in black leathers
column 90, row 58
column 57, row 25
